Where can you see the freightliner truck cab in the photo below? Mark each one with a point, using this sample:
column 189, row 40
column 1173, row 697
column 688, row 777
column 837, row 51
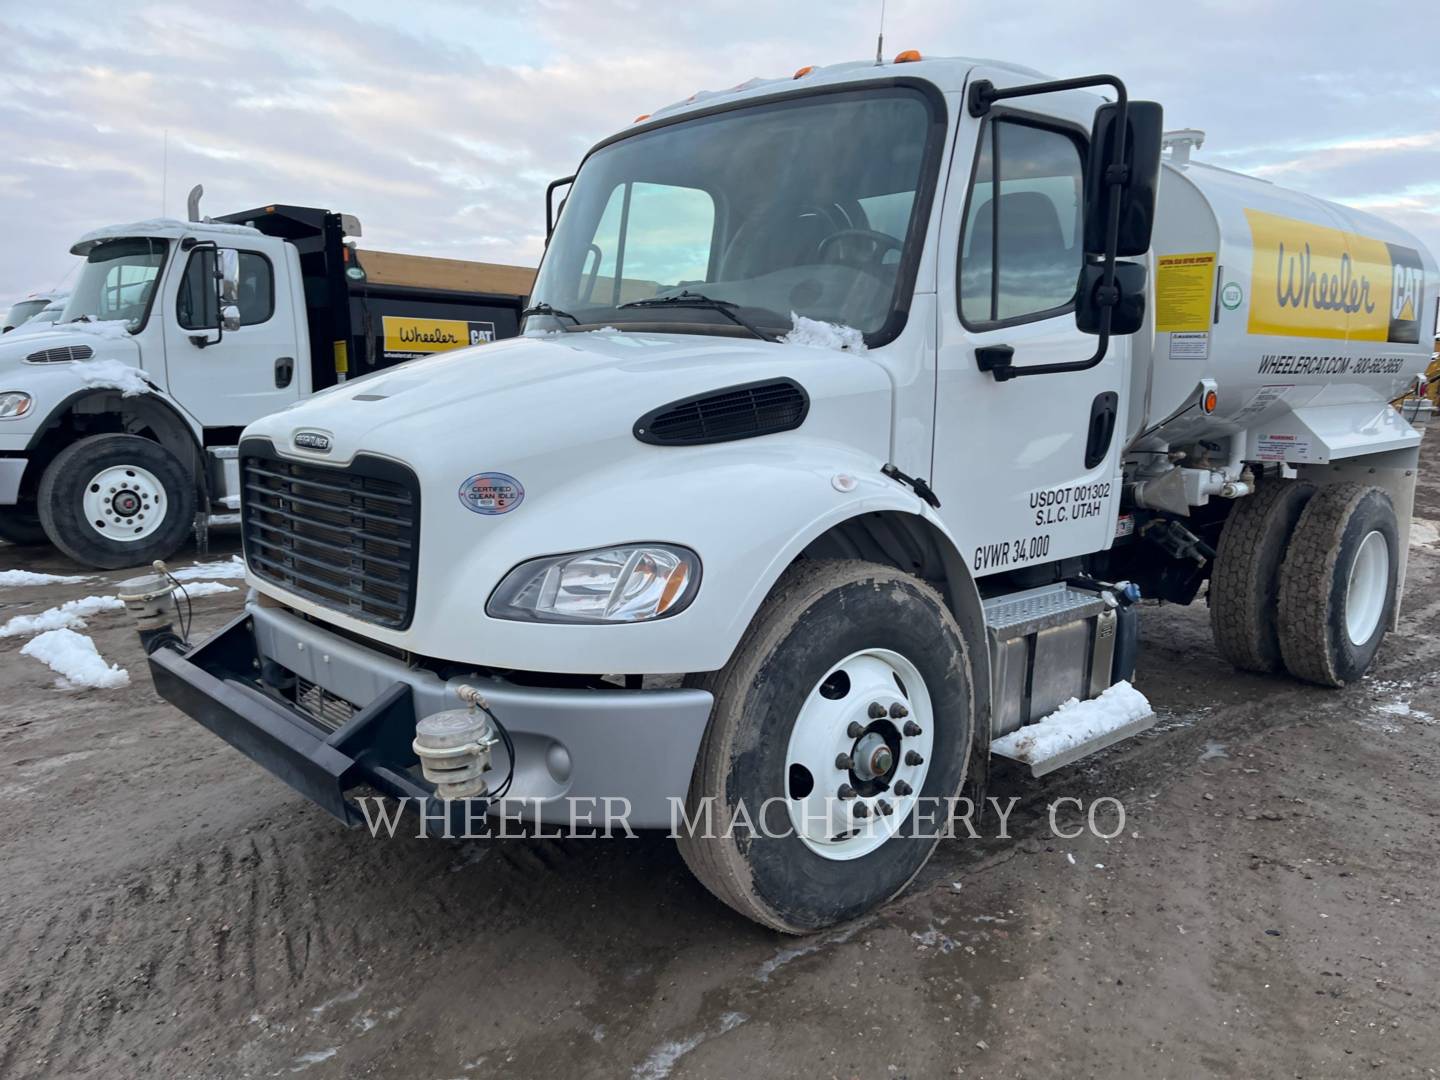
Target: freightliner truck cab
column 854, row 414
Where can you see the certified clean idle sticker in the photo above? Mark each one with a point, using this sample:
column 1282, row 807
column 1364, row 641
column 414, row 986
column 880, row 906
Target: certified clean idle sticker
column 491, row 493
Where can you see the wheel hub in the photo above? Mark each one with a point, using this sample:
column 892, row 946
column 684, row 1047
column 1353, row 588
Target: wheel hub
column 125, row 503
column 859, row 754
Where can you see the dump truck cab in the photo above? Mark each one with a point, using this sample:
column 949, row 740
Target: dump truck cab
column 854, row 413
column 176, row 335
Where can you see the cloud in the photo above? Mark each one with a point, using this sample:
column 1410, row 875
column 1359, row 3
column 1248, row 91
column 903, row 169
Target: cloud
column 439, row 123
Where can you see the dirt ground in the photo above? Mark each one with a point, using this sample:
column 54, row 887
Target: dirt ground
column 168, row 909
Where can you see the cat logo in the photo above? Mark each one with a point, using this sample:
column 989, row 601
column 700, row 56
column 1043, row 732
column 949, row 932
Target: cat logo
column 1407, row 287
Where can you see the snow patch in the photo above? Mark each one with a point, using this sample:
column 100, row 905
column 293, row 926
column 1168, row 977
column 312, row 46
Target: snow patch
column 29, row 577
column 112, row 375
column 1403, row 709
column 231, row 569
column 207, row 588
column 1073, row 723
column 75, row 659
column 314, row 1057
column 823, row 335
column 114, row 329
column 1424, row 532
column 71, row 614
column 665, row 1056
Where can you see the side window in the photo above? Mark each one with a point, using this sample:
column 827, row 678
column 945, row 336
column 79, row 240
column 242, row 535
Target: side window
column 1020, row 253
column 195, row 305
column 652, row 237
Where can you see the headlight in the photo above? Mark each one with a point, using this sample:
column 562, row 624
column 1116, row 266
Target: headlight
column 609, row 585
column 14, row 404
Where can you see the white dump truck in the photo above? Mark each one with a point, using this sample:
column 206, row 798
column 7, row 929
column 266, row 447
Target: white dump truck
column 854, row 413
column 119, row 422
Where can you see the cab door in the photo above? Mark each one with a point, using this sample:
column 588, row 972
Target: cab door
column 1027, row 469
column 238, row 375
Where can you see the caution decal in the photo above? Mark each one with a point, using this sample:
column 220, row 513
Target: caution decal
column 1184, row 292
column 406, row 336
column 1313, row 281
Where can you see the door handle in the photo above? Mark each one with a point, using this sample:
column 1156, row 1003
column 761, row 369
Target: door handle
column 284, row 371
column 1102, row 427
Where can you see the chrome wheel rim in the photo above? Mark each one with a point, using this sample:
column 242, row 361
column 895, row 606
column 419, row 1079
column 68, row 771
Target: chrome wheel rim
column 858, row 755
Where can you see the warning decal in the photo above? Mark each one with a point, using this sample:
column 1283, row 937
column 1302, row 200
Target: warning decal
column 1184, row 292
column 407, row 337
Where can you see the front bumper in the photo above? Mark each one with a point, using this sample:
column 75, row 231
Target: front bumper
column 12, row 470
column 574, row 748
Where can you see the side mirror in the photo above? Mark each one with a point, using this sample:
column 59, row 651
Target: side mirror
column 227, row 277
column 1145, row 123
column 1127, row 311
column 552, row 213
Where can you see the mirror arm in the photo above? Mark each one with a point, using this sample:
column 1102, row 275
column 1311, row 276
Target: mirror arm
column 982, row 95
column 550, row 203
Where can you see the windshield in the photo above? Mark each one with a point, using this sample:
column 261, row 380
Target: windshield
column 805, row 206
column 117, row 281
column 23, row 311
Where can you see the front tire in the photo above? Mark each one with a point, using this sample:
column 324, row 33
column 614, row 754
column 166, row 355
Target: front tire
column 113, row 501
column 1338, row 584
column 846, row 663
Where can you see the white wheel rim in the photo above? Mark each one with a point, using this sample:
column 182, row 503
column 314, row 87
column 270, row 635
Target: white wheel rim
column 824, row 817
column 124, row 503
column 1368, row 585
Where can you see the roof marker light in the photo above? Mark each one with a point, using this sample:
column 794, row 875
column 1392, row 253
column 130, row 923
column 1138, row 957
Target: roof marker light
column 642, row 116
column 909, row 56
column 802, row 72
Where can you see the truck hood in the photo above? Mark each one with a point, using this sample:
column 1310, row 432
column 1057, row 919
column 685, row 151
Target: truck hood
column 50, row 377
column 557, row 392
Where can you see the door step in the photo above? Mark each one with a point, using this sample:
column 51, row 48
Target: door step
column 1077, row 729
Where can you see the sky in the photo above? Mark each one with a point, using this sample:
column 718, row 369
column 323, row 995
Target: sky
column 439, row 122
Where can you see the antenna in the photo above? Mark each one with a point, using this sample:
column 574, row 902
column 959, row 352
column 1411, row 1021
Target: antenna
column 880, row 41
column 164, row 171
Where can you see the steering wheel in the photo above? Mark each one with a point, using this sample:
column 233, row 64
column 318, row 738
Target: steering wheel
column 880, row 243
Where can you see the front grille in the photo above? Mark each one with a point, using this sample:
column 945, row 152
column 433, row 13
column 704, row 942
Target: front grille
column 736, row 412
column 346, row 537
column 61, row 354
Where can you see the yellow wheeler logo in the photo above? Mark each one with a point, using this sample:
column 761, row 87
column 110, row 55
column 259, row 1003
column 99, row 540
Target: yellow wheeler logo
column 406, row 336
column 1313, row 281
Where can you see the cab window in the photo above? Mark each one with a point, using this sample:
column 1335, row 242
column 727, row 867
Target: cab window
column 1020, row 250
column 195, row 305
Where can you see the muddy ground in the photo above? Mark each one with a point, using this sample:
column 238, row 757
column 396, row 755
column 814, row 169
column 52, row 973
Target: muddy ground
column 168, row 909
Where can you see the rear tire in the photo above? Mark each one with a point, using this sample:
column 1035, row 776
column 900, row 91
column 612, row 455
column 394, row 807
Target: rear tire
column 113, row 501
column 1245, row 583
column 782, row 698
column 1338, row 584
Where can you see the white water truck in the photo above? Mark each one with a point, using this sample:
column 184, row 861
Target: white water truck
column 853, row 414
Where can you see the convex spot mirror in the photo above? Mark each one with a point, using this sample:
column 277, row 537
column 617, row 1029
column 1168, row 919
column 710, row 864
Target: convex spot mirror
column 1127, row 314
column 1145, row 123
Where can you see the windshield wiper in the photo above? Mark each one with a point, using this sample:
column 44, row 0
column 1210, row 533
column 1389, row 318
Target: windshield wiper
column 688, row 299
column 546, row 309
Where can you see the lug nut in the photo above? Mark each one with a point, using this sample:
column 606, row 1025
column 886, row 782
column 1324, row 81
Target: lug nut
column 911, row 729
column 877, row 711
column 898, row 711
column 861, row 810
column 843, row 762
column 902, row 789
column 885, row 808
column 912, row 758
column 855, row 730
column 846, row 792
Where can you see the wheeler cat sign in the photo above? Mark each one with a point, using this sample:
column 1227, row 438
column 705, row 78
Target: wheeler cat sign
column 1312, row 281
column 407, row 337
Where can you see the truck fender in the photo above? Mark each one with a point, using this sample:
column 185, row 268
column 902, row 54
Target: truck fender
column 135, row 414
